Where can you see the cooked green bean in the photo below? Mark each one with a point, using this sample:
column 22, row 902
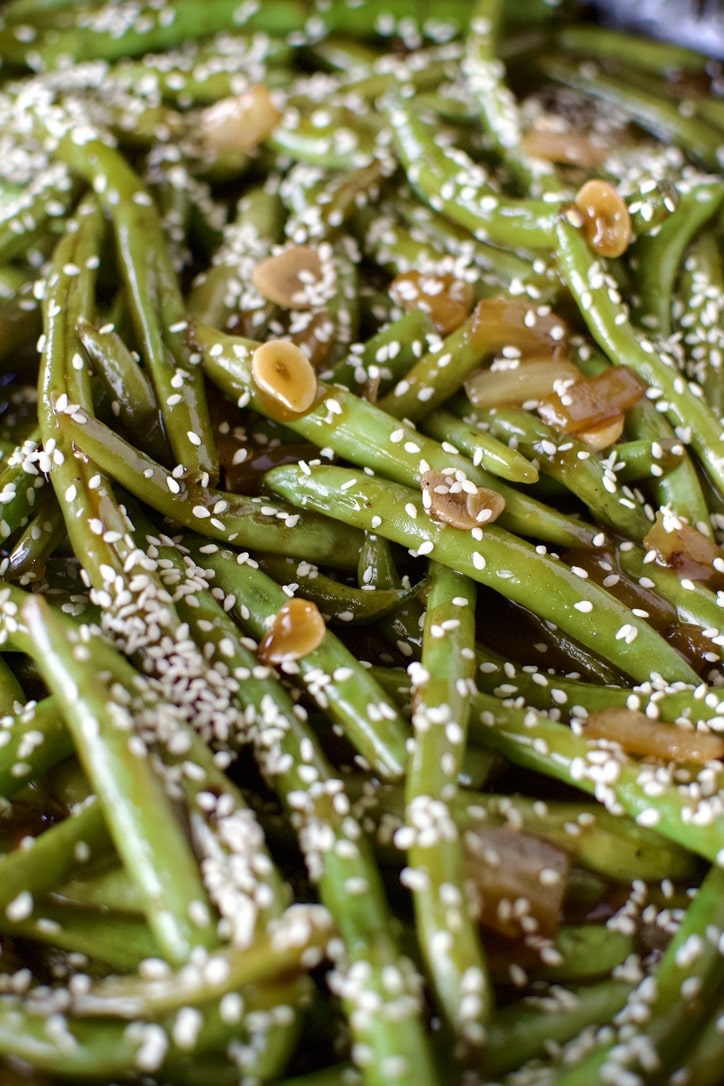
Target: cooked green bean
column 361, row 689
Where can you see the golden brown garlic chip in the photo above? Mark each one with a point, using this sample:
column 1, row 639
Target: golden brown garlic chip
column 286, row 278
column 638, row 734
column 606, row 221
column 459, row 504
column 297, row 630
column 282, row 371
column 239, row 124
column 444, row 296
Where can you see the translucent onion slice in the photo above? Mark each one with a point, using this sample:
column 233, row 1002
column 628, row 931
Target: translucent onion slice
column 241, row 123
column 297, row 630
column 519, row 880
column 289, row 278
column 594, row 401
column 533, row 331
column 604, row 435
column 638, row 734
column 519, row 382
column 569, row 148
column 684, row 548
column 447, row 298
column 460, row 504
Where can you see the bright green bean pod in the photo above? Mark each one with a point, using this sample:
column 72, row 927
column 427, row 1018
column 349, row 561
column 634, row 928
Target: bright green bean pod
column 442, row 686
column 140, row 817
column 491, row 556
column 607, row 320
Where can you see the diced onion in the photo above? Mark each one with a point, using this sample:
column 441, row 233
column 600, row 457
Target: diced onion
column 593, row 401
column 239, row 124
column 447, row 298
column 520, row 880
column 638, row 734
column 684, row 548
column 522, row 382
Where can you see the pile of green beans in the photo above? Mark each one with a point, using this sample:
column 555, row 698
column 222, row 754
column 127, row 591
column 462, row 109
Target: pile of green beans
column 241, row 848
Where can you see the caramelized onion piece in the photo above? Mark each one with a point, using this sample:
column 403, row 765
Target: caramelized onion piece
column 282, row 371
column 606, row 221
column 297, row 630
column 520, row 880
column 638, row 734
column 519, row 382
column 569, row 148
column 594, row 401
column 289, row 278
column 459, row 504
column 603, row 435
column 684, row 548
column 511, row 322
column 444, row 296
column 241, row 123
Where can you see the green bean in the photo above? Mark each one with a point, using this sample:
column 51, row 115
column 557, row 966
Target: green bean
column 639, row 460
column 531, row 739
column 247, row 521
column 499, row 114
column 295, row 941
column 397, row 450
column 497, row 558
column 122, row 942
column 481, row 448
column 154, row 297
column 37, row 541
column 441, row 371
column 30, row 872
column 662, row 58
column 349, row 886
column 658, row 256
column 668, row 1009
column 699, row 138
column 567, row 459
column 50, row 196
column 697, row 315
column 518, row 1034
column 133, row 403
column 681, row 489
column 454, row 184
column 386, row 355
column 612, row 846
column 338, row 602
column 134, row 804
column 442, row 689
column 21, row 484
column 34, row 740
column 11, row 694
column 350, row 696
column 585, row 952
column 219, row 292
column 609, row 325
column 188, row 829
